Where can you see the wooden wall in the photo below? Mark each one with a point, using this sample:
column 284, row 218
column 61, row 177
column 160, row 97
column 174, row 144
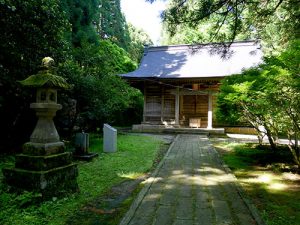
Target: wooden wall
column 159, row 105
column 152, row 107
column 194, row 106
column 168, row 112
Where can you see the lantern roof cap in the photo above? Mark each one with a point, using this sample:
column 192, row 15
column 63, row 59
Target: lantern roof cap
column 46, row 77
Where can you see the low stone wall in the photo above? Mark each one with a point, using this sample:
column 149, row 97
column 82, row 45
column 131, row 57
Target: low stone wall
column 148, row 128
column 240, row 130
column 161, row 128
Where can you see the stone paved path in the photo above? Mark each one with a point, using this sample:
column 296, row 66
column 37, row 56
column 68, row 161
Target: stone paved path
column 191, row 188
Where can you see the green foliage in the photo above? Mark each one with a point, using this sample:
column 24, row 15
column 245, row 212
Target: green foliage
column 267, row 96
column 81, row 15
column 71, row 32
column 135, row 155
column 118, row 61
column 28, row 32
column 275, row 22
column 101, row 96
column 139, row 39
column 112, row 24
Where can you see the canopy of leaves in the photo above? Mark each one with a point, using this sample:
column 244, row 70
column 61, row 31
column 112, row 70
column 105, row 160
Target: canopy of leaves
column 274, row 21
column 101, row 97
column 139, row 39
column 111, row 23
column 28, row 32
column 81, row 15
column 267, row 96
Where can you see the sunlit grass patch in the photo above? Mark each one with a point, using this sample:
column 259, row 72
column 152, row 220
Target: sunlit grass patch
column 130, row 175
column 275, row 191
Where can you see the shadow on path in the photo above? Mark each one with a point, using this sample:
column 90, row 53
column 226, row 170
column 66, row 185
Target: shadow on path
column 191, row 186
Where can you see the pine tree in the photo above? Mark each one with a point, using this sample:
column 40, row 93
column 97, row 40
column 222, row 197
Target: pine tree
column 112, row 24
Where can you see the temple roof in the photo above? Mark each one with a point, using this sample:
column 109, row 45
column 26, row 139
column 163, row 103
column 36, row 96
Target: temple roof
column 197, row 61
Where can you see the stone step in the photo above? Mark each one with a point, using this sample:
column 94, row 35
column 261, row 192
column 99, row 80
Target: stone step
column 43, row 163
column 52, row 182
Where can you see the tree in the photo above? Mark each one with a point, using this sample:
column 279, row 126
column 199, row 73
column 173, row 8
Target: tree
column 111, row 23
column 82, row 15
column 274, row 21
column 242, row 98
column 100, row 95
column 28, row 32
column 66, row 31
column 204, row 32
column 139, row 39
column 267, row 96
column 99, row 30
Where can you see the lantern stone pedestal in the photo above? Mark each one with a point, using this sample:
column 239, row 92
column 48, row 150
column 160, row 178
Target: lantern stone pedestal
column 44, row 166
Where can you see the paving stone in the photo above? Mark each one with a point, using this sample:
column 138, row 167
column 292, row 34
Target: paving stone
column 192, row 187
column 155, row 191
column 141, row 221
column 164, row 215
column 185, row 191
column 183, row 222
column 239, row 206
column 184, row 208
column 203, row 216
column 168, row 199
column 216, row 193
column 222, row 212
column 203, row 200
column 147, row 208
column 163, row 173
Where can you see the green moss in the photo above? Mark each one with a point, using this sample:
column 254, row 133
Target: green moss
column 45, row 78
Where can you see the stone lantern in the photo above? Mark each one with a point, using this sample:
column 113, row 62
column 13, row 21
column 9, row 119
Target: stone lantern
column 44, row 166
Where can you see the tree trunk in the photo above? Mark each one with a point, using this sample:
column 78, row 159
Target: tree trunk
column 270, row 138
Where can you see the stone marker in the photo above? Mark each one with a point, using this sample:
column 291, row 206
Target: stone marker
column 110, row 138
column 82, row 143
column 82, row 147
column 44, row 166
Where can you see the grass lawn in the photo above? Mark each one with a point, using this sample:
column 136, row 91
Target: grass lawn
column 134, row 158
column 267, row 179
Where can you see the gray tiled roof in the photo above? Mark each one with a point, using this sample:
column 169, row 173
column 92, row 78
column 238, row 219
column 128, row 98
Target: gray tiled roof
column 183, row 61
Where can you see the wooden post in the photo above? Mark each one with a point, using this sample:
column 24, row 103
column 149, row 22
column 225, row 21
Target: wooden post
column 162, row 104
column 181, row 105
column 209, row 113
column 177, row 103
column 145, row 103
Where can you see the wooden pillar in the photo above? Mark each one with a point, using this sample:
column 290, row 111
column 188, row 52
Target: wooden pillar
column 181, row 105
column 162, row 104
column 209, row 113
column 177, row 104
column 145, row 103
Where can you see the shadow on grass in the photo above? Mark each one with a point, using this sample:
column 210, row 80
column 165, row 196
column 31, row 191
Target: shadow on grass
column 268, row 177
column 243, row 156
column 109, row 208
column 98, row 180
